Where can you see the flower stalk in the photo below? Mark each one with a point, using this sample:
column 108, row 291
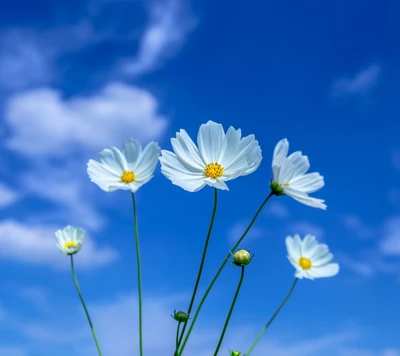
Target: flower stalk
column 84, row 306
column 221, row 338
column 220, row 270
column 272, row 318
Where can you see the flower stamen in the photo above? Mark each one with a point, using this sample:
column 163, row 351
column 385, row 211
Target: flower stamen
column 70, row 244
column 305, row 263
column 214, row 170
column 128, row 177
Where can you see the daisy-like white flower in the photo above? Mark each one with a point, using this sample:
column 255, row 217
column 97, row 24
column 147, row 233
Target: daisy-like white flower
column 70, row 239
column 217, row 158
column 290, row 176
column 128, row 169
column 310, row 258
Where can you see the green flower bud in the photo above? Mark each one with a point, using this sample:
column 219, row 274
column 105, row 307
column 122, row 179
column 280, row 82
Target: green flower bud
column 276, row 189
column 180, row 316
column 234, row 353
column 242, row 258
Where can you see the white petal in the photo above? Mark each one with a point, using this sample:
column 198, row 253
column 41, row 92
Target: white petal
column 293, row 248
column 300, row 163
column 304, row 198
column 328, row 270
column 281, row 149
column 286, row 170
column 147, row 162
column 229, row 146
column 308, row 183
column 187, row 152
column 308, row 245
column 113, row 158
column 131, row 149
column 209, row 140
column 216, row 183
column 102, row 175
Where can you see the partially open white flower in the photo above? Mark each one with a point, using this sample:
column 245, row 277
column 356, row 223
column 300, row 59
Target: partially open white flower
column 310, row 258
column 70, row 239
column 128, row 169
column 217, row 158
column 290, row 176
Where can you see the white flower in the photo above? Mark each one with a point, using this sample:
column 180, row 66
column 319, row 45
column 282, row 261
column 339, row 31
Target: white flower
column 310, row 258
column 70, row 239
column 128, row 169
column 290, row 176
column 217, row 158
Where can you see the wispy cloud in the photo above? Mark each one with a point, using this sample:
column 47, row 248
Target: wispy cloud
column 37, row 245
column 390, row 244
column 237, row 230
column 8, row 196
column 360, row 84
column 359, row 267
column 169, row 24
column 357, row 226
column 306, row 227
column 277, row 209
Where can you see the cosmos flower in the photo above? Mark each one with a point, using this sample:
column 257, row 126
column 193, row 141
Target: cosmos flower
column 310, row 258
column 70, row 239
column 290, row 176
column 217, row 158
column 128, row 169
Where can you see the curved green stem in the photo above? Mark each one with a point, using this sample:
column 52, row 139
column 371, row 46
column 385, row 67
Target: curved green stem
column 138, row 274
column 201, row 266
column 84, row 305
column 272, row 318
column 177, row 335
column 221, row 268
column 230, row 313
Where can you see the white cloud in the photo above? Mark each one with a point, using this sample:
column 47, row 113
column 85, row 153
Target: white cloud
column 44, row 123
column 390, row 244
column 357, row 226
column 37, row 245
column 8, row 196
column 236, row 231
column 169, row 25
column 361, row 84
column 277, row 209
column 305, row 227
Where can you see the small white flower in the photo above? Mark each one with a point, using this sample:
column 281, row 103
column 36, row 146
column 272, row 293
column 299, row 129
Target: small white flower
column 310, row 258
column 217, row 158
column 70, row 239
column 290, row 176
column 128, row 169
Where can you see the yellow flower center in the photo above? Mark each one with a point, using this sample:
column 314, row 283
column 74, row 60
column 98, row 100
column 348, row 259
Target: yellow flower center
column 305, row 263
column 287, row 184
column 128, row 177
column 70, row 244
column 214, row 170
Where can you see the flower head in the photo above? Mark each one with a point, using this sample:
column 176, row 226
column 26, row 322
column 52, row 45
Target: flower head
column 70, row 239
column 310, row 258
column 217, row 158
column 242, row 258
column 180, row 316
column 290, row 176
column 128, row 169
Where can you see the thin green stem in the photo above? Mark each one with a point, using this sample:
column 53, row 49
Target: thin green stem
column 138, row 274
column 272, row 318
column 230, row 313
column 201, row 266
column 220, row 270
column 177, row 335
column 84, row 305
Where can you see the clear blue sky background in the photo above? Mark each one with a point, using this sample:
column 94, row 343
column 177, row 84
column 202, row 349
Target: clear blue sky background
column 79, row 76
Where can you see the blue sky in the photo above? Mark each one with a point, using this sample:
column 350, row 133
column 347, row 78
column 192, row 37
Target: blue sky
column 79, row 76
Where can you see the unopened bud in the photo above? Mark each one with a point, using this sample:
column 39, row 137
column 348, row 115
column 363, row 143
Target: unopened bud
column 242, row 258
column 234, row 353
column 180, row 316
